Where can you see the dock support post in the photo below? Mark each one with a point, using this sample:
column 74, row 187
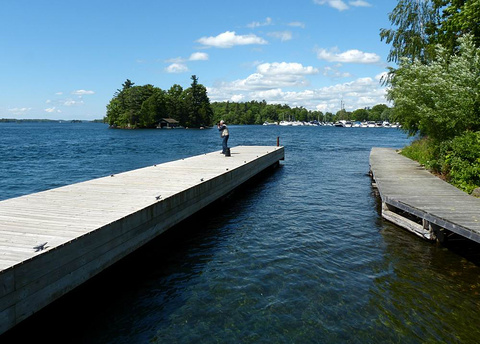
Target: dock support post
column 437, row 233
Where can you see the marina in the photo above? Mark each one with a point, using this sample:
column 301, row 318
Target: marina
column 55, row 240
column 420, row 202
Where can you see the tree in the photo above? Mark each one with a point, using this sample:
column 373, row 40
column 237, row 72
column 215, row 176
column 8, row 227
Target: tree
column 442, row 99
column 175, row 104
column 377, row 111
column 197, row 105
column 416, row 22
column 361, row 115
column 459, row 17
column 153, row 109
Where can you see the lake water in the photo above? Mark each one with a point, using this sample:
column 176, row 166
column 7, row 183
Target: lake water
column 299, row 256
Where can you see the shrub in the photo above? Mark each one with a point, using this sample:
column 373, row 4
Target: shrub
column 460, row 160
column 426, row 152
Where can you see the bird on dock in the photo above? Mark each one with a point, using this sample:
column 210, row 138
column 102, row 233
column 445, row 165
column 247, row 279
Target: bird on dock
column 40, row 247
column 158, row 197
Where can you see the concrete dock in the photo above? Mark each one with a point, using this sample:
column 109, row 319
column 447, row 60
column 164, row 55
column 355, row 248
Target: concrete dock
column 53, row 241
column 420, row 202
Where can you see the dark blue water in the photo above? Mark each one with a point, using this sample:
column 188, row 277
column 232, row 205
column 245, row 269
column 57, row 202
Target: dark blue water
column 299, row 256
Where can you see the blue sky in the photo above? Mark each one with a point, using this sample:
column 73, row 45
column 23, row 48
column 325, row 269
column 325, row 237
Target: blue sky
column 65, row 59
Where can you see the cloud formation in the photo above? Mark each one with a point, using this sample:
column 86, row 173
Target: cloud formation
column 52, row 110
column 197, row 56
column 341, row 5
column 229, row 39
column 337, row 4
column 176, row 68
column 71, row 102
column 82, row 92
column 19, row 111
column 271, row 76
column 297, row 24
column 349, row 56
column 281, row 35
column 268, row 21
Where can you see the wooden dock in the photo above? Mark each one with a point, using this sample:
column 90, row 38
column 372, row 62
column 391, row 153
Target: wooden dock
column 53, row 241
column 416, row 200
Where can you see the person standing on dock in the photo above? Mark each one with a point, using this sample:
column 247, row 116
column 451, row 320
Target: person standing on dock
column 224, row 134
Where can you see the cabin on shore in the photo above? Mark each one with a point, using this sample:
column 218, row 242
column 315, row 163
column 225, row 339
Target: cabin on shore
column 168, row 123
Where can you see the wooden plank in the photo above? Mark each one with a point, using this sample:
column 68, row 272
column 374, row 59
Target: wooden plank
column 406, row 185
column 88, row 226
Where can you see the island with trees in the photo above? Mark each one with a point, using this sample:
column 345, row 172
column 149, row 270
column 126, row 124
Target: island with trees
column 145, row 106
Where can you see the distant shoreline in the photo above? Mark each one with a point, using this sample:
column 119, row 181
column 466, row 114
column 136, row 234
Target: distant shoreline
column 14, row 120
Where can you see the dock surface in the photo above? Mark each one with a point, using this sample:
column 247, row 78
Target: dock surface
column 52, row 241
column 419, row 201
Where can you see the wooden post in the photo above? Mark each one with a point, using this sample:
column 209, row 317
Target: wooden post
column 278, row 141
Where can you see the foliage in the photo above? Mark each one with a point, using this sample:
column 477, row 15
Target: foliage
column 436, row 88
column 460, row 17
column 440, row 99
column 426, row 152
column 419, row 25
column 144, row 106
column 416, row 23
column 461, row 161
column 456, row 160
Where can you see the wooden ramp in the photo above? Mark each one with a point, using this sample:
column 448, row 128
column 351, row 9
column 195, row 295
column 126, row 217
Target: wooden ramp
column 52, row 241
column 417, row 200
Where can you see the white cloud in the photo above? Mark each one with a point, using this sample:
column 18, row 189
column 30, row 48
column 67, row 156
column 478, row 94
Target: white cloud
column 283, row 68
column 237, row 98
column 359, row 3
column 176, row 68
column 229, row 39
column 273, row 75
column 281, row 35
column 332, row 72
column 82, row 92
column 19, row 111
column 59, row 93
column 52, row 110
column 175, row 60
column 349, row 56
column 268, row 21
column 297, row 24
column 71, row 102
column 197, row 56
column 337, row 4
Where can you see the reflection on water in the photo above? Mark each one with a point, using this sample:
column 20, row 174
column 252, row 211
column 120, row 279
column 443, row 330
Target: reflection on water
column 299, row 256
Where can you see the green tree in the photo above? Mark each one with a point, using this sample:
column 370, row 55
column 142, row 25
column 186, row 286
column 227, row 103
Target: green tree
column 415, row 25
column 377, row 111
column 175, row 104
column 442, row 99
column 459, row 17
column 153, row 109
column 361, row 115
column 197, row 105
